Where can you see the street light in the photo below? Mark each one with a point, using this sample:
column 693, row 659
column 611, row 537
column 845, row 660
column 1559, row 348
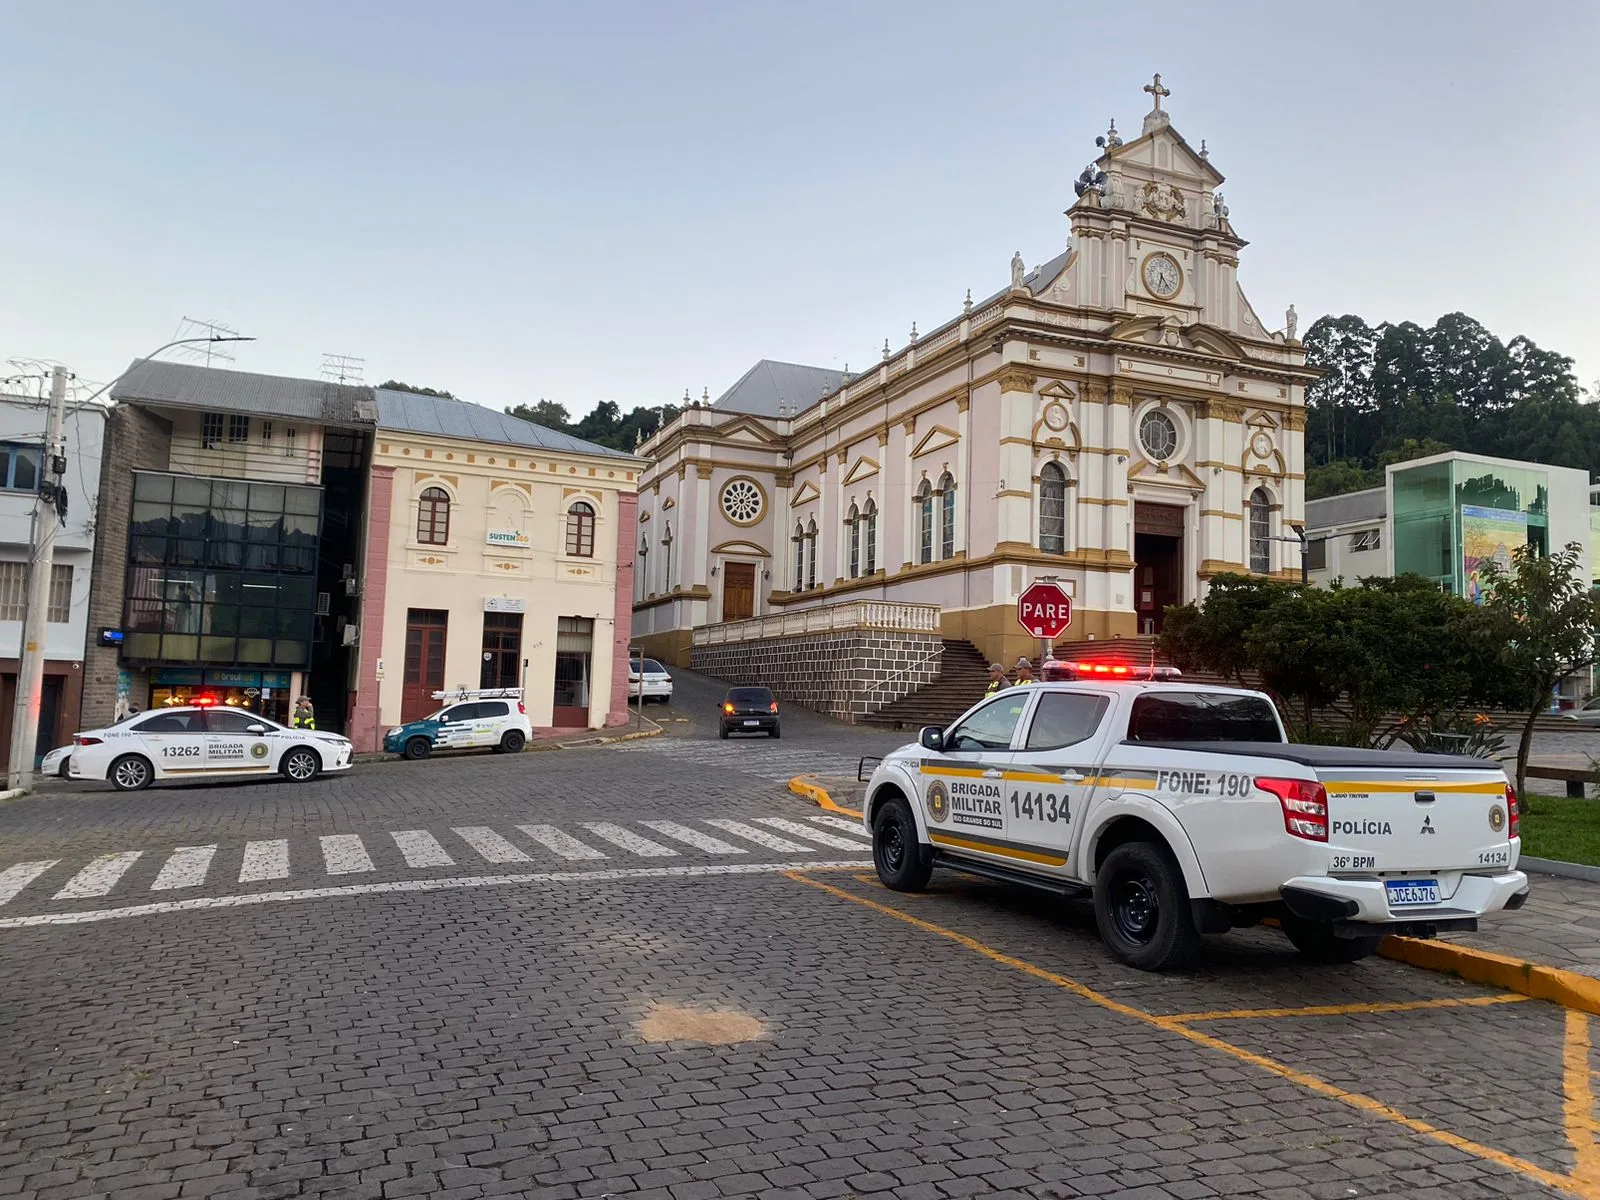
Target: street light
column 48, row 509
column 1300, row 539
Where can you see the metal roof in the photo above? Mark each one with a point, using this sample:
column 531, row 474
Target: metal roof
column 770, row 384
column 413, row 413
column 180, row 385
column 1332, row 511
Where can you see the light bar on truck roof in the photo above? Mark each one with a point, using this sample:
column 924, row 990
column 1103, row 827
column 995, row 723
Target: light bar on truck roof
column 1107, row 671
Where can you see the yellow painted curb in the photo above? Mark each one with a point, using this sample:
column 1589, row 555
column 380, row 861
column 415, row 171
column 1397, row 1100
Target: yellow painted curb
column 1566, row 988
column 804, row 785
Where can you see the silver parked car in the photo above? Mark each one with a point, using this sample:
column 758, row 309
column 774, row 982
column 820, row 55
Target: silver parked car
column 1589, row 714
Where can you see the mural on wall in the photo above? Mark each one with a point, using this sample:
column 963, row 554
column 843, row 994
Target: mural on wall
column 1488, row 535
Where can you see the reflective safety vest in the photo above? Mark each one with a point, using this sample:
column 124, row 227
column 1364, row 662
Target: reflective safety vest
column 304, row 719
column 996, row 686
column 1024, row 682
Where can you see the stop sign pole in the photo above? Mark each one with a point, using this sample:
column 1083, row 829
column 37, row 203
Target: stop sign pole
column 1045, row 611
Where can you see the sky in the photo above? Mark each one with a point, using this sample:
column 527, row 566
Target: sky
column 624, row 201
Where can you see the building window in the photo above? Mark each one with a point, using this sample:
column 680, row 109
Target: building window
column 1158, row 434
column 266, row 435
column 433, row 517
column 221, row 572
column 947, row 516
column 1317, row 554
column 666, row 566
column 238, row 428
column 288, row 442
column 59, row 608
column 1260, row 531
column 869, row 519
column 924, row 514
column 19, row 467
column 1367, row 539
column 799, row 556
column 1052, row 509
column 210, row 431
column 853, row 520
column 13, row 591
column 580, row 529
column 811, row 553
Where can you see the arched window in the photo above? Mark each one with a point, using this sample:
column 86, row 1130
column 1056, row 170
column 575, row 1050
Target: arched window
column 853, row 520
column 1052, row 509
column 924, row 512
column 799, row 556
column 580, row 529
column 811, row 553
column 869, row 535
column 433, row 517
column 666, row 565
column 947, row 515
column 1260, row 531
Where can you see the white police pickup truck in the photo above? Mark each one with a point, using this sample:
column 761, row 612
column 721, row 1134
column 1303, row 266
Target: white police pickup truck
column 1183, row 810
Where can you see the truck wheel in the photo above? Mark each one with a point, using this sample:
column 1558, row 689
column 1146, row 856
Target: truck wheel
column 418, row 747
column 904, row 864
column 1317, row 941
column 1142, row 908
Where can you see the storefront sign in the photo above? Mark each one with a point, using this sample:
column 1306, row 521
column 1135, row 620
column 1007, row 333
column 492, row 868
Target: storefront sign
column 177, row 677
column 507, row 604
column 1488, row 535
column 244, row 679
column 508, row 537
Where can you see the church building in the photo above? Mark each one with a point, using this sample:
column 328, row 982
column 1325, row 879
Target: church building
column 1119, row 419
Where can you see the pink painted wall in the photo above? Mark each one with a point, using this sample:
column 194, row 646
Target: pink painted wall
column 364, row 731
column 622, row 630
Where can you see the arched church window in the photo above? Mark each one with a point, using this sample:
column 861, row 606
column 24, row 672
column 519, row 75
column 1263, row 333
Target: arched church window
column 799, row 556
column 924, row 514
column 947, row 515
column 1158, row 434
column 433, row 517
column 869, row 535
column 1260, row 530
column 853, row 520
column 1052, row 509
column 811, row 553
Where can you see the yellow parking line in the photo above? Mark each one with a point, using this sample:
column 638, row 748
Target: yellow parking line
column 1586, row 1187
column 1342, row 1010
column 1578, row 1098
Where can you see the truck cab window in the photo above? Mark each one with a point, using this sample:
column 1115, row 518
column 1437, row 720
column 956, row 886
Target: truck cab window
column 1064, row 719
column 991, row 727
column 1202, row 717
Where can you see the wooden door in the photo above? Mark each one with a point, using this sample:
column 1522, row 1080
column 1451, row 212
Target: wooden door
column 424, row 670
column 738, row 591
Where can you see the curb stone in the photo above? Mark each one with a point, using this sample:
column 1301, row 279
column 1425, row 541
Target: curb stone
column 1569, row 989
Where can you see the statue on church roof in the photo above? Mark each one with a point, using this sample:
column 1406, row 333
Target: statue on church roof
column 1291, row 323
column 1018, row 270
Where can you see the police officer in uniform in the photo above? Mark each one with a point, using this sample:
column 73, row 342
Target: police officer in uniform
column 1024, row 671
column 304, row 717
column 997, row 680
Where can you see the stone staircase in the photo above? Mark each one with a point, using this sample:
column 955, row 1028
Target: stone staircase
column 963, row 676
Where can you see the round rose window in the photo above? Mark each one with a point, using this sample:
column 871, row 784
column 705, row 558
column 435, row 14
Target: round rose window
column 1158, row 434
column 741, row 501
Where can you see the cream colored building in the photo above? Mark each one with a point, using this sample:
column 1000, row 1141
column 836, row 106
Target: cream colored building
column 1119, row 418
column 497, row 554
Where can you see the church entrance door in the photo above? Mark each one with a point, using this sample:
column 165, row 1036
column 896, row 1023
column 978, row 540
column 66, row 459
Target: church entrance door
column 1158, row 562
column 738, row 591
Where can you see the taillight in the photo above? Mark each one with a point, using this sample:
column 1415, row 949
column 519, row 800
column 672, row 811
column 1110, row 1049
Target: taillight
column 774, row 706
column 79, row 739
column 1513, row 813
column 1305, row 806
column 521, row 708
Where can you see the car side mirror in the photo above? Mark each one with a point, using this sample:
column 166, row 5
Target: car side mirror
column 931, row 737
column 255, row 729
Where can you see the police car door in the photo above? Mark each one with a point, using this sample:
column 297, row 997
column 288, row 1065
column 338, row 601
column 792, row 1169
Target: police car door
column 231, row 747
column 1053, row 770
column 963, row 785
column 174, row 741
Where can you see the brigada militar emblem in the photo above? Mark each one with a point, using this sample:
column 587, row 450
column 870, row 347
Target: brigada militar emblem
column 259, row 750
column 938, row 802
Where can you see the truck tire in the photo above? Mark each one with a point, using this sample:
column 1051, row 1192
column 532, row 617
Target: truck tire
column 1317, row 941
column 904, row 864
column 1142, row 908
column 418, row 747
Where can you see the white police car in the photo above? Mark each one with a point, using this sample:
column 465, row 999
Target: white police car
column 488, row 719
column 202, row 741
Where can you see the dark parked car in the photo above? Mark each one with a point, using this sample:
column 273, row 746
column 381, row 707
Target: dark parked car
column 749, row 710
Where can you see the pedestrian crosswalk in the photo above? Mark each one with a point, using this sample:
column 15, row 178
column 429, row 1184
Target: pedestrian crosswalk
column 765, row 760
column 183, row 869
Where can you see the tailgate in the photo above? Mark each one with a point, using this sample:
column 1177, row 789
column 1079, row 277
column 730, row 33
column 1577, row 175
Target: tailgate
column 1398, row 821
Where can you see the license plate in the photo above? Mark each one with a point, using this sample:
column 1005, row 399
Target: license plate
column 750, row 723
column 1412, row 891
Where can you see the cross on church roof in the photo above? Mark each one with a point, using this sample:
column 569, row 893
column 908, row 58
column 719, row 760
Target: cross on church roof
column 1157, row 91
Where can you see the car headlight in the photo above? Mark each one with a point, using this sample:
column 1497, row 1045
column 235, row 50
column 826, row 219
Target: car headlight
column 393, row 732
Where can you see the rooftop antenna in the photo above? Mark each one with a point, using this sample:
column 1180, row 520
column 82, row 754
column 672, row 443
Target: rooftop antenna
column 208, row 352
column 342, row 368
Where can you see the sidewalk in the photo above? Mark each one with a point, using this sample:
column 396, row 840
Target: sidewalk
column 1558, row 927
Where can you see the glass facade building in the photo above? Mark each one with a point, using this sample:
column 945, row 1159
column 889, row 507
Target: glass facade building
column 1450, row 518
column 221, row 572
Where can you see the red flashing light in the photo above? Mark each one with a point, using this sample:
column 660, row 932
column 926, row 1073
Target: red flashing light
column 1119, row 670
column 727, row 708
column 204, row 701
column 1305, row 807
column 774, row 706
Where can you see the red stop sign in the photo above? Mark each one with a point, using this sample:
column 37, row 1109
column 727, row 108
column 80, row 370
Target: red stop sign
column 1044, row 610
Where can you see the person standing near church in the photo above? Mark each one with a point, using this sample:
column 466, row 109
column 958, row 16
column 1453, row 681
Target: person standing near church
column 1024, row 670
column 305, row 717
column 997, row 680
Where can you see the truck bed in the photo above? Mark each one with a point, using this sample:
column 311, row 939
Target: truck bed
column 1336, row 757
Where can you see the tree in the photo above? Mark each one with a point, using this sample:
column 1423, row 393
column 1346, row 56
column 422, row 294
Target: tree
column 547, row 413
column 1543, row 617
column 1210, row 637
column 394, row 385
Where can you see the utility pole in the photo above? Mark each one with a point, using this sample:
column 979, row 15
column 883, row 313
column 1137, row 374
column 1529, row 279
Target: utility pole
column 47, row 512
